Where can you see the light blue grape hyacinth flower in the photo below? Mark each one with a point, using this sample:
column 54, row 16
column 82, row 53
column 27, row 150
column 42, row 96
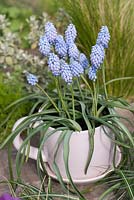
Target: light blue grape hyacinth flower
column 103, row 37
column 97, row 56
column 44, row 46
column 83, row 60
column 73, row 51
column 66, row 73
column 31, row 79
column 92, row 73
column 70, row 34
column 50, row 32
column 98, row 52
column 54, row 64
column 76, row 68
column 60, row 46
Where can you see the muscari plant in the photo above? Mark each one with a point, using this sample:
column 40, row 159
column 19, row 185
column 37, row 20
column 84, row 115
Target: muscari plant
column 65, row 60
column 77, row 103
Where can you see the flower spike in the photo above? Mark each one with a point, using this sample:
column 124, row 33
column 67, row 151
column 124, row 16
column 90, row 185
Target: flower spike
column 66, row 73
column 31, row 79
column 103, row 37
column 97, row 55
column 70, row 34
column 73, row 51
column 60, row 46
column 54, row 64
column 44, row 46
column 50, row 32
column 92, row 73
column 76, row 68
column 83, row 60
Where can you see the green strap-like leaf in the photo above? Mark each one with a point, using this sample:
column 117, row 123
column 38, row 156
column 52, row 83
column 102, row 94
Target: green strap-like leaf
column 56, row 169
column 128, row 186
column 66, row 162
column 109, row 190
column 119, row 79
column 91, row 136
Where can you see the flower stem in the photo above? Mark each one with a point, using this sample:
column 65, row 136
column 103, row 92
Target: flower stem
column 87, row 84
column 73, row 105
column 93, row 95
column 95, row 101
column 104, row 81
column 51, row 100
column 79, row 87
column 62, row 101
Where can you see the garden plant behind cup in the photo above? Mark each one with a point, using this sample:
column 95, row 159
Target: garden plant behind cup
column 81, row 135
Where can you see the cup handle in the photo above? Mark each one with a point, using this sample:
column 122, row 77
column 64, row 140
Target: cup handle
column 18, row 141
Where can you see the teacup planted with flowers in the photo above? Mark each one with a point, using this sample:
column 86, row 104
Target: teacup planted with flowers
column 78, row 125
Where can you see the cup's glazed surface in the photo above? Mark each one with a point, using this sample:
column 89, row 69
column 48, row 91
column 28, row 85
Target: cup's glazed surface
column 78, row 152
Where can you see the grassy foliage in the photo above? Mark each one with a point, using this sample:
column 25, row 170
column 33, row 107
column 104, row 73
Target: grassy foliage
column 89, row 16
column 31, row 192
